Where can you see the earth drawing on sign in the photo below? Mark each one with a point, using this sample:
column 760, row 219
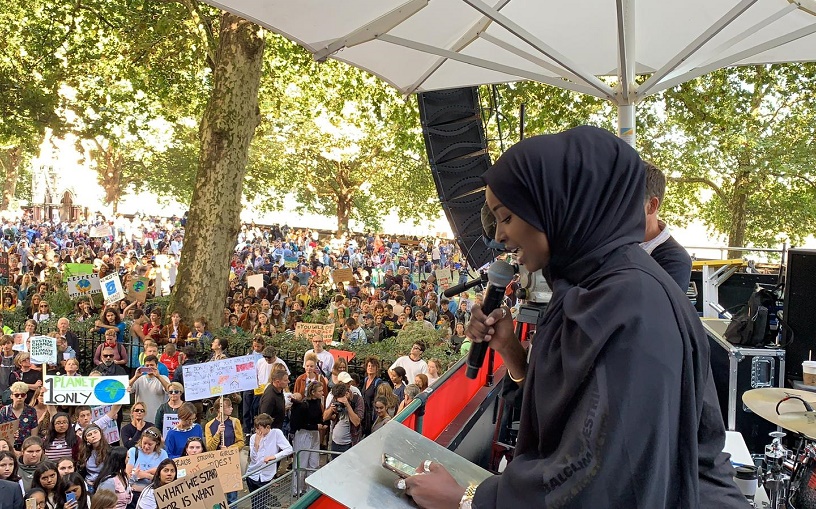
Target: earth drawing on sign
column 138, row 286
column 83, row 285
column 109, row 391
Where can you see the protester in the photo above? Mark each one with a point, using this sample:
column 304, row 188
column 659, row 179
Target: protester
column 73, row 483
column 19, row 411
column 143, row 460
column 307, row 420
column 166, row 473
column 267, row 446
column 177, row 436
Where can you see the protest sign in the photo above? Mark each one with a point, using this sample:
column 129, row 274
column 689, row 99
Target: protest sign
column 4, row 268
column 309, row 330
column 444, row 277
column 342, row 275
column 43, row 350
column 86, row 390
column 226, row 461
column 76, row 269
column 217, row 378
column 112, row 288
column 170, row 420
column 9, row 429
column 87, row 284
column 19, row 341
column 103, row 230
column 255, row 281
column 290, row 262
column 137, row 289
column 111, row 430
column 202, row 490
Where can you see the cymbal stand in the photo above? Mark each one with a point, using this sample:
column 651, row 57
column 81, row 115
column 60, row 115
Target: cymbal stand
column 774, row 478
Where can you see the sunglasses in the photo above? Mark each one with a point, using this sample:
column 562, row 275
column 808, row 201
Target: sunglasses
column 151, row 433
column 174, row 392
column 20, row 395
column 108, row 356
column 138, row 410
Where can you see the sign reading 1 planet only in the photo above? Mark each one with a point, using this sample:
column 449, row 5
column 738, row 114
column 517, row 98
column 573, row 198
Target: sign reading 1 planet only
column 86, row 390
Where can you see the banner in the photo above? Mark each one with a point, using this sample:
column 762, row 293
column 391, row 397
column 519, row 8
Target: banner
column 290, row 262
column 170, row 420
column 43, row 350
column 102, row 230
column 255, row 281
column 226, row 461
column 309, row 330
column 444, row 278
column 87, row 284
column 111, row 431
column 137, row 289
column 112, row 288
column 342, row 275
column 86, row 390
column 217, row 378
column 9, row 429
column 76, row 269
column 202, row 490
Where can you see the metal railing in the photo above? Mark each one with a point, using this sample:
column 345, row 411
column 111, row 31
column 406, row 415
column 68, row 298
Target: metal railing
column 275, row 493
column 299, row 487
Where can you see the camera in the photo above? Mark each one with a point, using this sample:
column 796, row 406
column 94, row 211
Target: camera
column 339, row 407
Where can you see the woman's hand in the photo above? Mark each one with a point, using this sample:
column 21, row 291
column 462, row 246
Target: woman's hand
column 221, row 428
column 434, row 488
column 496, row 328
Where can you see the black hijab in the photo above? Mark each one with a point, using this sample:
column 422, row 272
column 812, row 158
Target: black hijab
column 619, row 408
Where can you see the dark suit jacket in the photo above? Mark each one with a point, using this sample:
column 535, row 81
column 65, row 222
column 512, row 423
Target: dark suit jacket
column 10, row 495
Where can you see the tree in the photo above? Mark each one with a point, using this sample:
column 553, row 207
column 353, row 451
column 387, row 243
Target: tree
column 227, row 128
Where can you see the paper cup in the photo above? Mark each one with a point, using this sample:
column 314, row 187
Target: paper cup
column 809, row 372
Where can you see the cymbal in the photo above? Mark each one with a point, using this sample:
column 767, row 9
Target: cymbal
column 792, row 416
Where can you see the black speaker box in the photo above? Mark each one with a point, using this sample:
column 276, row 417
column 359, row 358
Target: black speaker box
column 798, row 310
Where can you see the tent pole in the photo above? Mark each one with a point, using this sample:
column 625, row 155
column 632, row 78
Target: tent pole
column 626, row 96
column 626, row 123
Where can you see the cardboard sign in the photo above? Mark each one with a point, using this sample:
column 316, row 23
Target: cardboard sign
column 170, row 420
column 342, row 275
column 9, row 429
column 111, row 430
column 87, row 284
column 444, row 277
column 310, row 330
column 76, row 269
column 255, row 281
column 102, row 230
column 201, row 490
column 43, row 350
column 112, row 288
column 218, row 378
column 226, row 461
column 137, row 289
column 86, row 390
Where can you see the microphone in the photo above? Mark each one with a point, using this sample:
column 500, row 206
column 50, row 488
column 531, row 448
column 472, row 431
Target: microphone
column 499, row 276
column 457, row 289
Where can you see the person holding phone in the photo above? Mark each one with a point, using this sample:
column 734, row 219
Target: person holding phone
column 166, row 473
column 73, row 494
column 149, row 386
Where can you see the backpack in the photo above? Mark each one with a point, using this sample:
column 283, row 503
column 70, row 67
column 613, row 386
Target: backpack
column 751, row 326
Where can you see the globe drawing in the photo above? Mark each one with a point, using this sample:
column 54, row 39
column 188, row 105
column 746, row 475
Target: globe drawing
column 138, row 286
column 109, row 391
column 83, row 285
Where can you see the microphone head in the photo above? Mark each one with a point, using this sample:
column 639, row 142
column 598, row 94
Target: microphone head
column 500, row 273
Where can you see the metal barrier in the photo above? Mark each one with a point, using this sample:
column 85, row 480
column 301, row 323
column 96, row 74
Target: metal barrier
column 299, row 487
column 275, row 493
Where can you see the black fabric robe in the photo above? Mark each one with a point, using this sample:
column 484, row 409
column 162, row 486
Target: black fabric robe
column 619, row 406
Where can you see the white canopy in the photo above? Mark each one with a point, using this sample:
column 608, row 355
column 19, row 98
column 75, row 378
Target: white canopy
column 421, row 45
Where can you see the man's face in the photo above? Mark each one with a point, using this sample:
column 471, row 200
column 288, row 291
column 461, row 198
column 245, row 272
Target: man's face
column 317, row 343
column 416, row 352
column 62, row 325
column 282, row 383
column 107, row 356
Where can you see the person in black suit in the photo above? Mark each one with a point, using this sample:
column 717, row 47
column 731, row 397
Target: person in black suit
column 10, row 495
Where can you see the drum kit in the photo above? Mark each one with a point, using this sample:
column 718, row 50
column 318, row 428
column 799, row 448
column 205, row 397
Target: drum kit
column 787, row 474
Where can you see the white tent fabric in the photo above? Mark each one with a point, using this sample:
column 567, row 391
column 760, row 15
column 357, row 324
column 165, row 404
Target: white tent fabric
column 421, row 45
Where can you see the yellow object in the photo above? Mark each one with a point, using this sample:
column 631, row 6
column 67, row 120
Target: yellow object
column 698, row 264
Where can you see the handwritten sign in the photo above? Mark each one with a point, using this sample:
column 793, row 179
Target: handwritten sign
column 87, row 284
column 112, row 288
column 76, row 269
column 86, row 390
column 255, row 281
column 102, row 230
column 226, row 461
column 444, row 277
column 137, row 289
column 342, row 275
column 9, row 429
column 111, row 430
column 218, row 378
column 43, row 350
column 200, row 490
column 170, row 420
column 309, row 330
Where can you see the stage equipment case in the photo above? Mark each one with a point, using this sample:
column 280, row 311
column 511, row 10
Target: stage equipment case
column 735, row 370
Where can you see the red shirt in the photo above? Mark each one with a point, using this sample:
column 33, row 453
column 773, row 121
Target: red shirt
column 171, row 362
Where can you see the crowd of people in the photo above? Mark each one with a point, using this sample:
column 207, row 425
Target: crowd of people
column 62, row 456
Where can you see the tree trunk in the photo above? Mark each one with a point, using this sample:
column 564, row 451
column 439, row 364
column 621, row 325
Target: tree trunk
column 10, row 159
column 738, row 209
column 110, row 165
column 344, row 204
column 227, row 127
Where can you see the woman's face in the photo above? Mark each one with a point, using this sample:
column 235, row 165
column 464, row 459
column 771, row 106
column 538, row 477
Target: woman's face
column 168, row 473
column 6, row 467
column 433, row 369
column 262, row 318
column 30, row 327
column 48, row 479
column 371, row 369
column 175, row 394
column 531, row 246
column 318, row 392
column 93, row 436
column 395, row 378
column 84, row 306
column 39, row 496
column 32, row 455
column 61, row 424
column 137, row 413
column 148, row 445
column 194, row 447
column 65, row 468
column 380, row 409
column 4, row 446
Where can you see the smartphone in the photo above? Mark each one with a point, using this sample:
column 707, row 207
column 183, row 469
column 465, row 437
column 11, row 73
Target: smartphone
column 396, row 465
column 144, row 371
column 31, row 503
column 70, row 497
